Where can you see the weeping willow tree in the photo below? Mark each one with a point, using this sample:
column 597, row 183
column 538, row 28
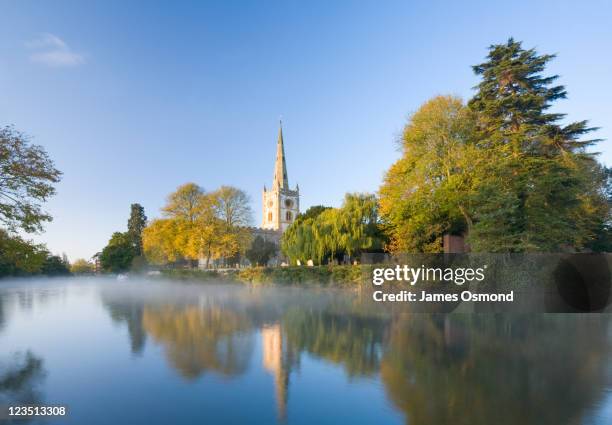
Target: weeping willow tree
column 324, row 234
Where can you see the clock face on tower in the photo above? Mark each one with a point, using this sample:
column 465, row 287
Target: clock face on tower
column 288, row 203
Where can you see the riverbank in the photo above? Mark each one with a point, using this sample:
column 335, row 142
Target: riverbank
column 322, row 275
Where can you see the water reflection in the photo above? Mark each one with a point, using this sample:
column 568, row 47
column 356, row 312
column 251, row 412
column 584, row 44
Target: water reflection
column 2, row 313
column 468, row 369
column 279, row 359
column 353, row 341
column 475, row 369
column 131, row 314
column 21, row 374
column 436, row 369
column 197, row 340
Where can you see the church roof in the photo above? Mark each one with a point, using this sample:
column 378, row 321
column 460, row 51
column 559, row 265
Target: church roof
column 280, row 167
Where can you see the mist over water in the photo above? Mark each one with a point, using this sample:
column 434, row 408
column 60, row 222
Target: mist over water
column 158, row 352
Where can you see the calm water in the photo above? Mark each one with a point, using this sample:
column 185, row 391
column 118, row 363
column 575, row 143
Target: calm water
column 157, row 353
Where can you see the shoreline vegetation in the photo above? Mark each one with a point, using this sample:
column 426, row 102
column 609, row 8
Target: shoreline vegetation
column 323, row 275
column 500, row 172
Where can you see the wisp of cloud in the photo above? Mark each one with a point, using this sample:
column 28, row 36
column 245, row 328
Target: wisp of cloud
column 49, row 49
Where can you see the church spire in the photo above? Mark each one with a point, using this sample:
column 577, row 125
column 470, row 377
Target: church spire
column 280, row 167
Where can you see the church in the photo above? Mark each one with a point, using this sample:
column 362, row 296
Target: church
column 280, row 203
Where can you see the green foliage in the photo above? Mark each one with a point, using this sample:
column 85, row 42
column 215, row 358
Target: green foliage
column 54, row 265
column 136, row 224
column 502, row 170
column 261, row 251
column 301, row 275
column 27, row 175
column 324, row 234
column 548, row 189
column 312, row 212
column 603, row 231
column 191, row 274
column 81, row 266
column 19, row 257
column 117, row 256
column 322, row 275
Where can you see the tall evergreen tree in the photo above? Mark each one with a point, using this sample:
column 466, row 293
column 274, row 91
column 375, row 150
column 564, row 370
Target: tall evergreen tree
column 136, row 224
column 513, row 99
column 550, row 198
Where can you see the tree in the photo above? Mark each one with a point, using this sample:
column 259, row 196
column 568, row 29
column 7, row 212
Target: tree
column 312, row 212
column 430, row 190
column 117, row 256
column 161, row 243
column 20, row 257
column 261, row 251
column 328, row 233
column 233, row 206
column 27, row 175
column 185, row 202
column 502, row 170
column 549, row 195
column 200, row 225
column 358, row 225
column 81, row 266
column 54, row 265
column 136, row 223
column 602, row 242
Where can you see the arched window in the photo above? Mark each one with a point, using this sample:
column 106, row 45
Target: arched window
column 269, row 216
column 288, row 216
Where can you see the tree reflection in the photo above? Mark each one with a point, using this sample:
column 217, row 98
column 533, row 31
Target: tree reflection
column 130, row 313
column 20, row 376
column 2, row 314
column 484, row 369
column 351, row 340
column 201, row 339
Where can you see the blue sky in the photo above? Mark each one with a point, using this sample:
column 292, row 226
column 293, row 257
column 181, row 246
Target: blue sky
column 132, row 99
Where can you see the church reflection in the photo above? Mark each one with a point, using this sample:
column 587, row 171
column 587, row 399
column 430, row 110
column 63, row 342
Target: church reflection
column 279, row 359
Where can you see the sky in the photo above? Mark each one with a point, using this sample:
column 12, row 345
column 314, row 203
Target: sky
column 132, row 99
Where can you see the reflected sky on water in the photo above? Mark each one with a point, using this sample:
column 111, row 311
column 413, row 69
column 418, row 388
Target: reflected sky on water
column 159, row 353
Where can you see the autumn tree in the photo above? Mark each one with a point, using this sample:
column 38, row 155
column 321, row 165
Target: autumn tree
column 199, row 225
column 185, row 202
column 233, row 206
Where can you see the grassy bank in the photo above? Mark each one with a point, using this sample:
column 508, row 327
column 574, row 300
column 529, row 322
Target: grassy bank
column 323, row 275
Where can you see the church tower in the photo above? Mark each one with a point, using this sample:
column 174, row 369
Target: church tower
column 281, row 205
